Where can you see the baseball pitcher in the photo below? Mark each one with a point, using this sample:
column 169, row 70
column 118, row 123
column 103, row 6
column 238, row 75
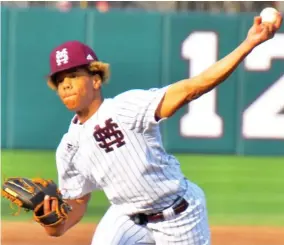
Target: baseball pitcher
column 114, row 144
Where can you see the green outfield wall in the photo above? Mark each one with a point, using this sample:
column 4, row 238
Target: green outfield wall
column 245, row 115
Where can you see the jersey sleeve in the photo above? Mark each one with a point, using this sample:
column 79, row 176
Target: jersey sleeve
column 137, row 108
column 72, row 183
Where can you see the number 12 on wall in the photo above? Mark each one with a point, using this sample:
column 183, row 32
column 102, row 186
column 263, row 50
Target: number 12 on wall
column 261, row 120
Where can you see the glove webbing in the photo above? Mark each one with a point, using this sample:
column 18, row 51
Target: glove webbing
column 12, row 197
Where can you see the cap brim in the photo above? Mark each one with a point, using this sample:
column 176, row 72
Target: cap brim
column 67, row 68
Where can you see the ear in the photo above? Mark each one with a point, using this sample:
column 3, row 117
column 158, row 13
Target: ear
column 97, row 82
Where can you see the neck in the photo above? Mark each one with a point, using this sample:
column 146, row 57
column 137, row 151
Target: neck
column 86, row 113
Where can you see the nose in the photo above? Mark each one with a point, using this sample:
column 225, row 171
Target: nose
column 67, row 83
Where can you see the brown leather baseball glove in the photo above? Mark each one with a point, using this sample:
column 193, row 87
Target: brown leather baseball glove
column 29, row 194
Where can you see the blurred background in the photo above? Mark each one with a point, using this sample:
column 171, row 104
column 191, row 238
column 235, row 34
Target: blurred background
column 160, row 6
column 230, row 141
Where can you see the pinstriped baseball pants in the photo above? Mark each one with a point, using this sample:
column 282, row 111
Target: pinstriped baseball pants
column 187, row 228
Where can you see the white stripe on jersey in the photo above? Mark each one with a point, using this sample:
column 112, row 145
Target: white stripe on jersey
column 119, row 149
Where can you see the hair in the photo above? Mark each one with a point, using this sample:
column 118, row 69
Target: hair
column 94, row 68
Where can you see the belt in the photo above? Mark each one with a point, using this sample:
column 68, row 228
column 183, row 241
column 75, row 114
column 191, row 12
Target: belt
column 142, row 219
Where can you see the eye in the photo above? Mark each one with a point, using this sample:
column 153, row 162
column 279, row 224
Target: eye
column 57, row 80
column 73, row 75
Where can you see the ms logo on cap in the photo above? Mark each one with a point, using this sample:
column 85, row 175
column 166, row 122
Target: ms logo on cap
column 69, row 55
column 62, row 57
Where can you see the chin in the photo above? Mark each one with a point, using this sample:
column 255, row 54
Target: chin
column 72, row 106
column 74, row 109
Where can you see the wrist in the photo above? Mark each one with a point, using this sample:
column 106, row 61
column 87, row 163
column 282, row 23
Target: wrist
column 247, row 46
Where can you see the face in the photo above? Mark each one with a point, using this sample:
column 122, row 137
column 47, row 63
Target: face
column 77, row 88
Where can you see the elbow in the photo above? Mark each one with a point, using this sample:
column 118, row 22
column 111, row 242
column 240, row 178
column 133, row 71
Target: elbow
column 55, row 233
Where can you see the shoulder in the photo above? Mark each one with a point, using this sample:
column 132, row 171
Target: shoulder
column 135, row 93
column 71, row 138
column 74, row 125
column 127, row 93
column 140, row 96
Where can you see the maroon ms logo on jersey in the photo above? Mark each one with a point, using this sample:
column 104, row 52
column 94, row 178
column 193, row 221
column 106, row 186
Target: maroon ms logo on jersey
column 109, row 135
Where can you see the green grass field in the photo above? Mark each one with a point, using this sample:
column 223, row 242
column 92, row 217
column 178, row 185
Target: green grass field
column 239, row 190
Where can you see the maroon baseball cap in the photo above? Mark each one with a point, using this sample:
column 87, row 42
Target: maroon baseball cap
column 69, row 55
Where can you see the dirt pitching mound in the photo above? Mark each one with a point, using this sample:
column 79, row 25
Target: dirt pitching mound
column 30, row 233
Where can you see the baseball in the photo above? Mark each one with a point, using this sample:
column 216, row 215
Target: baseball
column 269, row 15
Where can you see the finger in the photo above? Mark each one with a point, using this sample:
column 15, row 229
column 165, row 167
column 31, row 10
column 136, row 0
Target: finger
column 54, row 204
column 257, row 21
column 270, row 27
column 46, row 204
column 278, row 22
column 264, row 33
column 268, row 31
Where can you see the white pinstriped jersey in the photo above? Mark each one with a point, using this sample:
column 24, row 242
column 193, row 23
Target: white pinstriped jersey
column 119, row 149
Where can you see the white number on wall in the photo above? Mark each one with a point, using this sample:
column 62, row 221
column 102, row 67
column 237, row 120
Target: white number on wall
column 200, row 48
column 261, row 119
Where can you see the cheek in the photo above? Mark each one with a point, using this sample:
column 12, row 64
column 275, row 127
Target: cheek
column 86, row 92
column 81, row 100
column 82, row 91
column 60, row 93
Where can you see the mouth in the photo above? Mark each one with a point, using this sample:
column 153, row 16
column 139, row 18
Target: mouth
column 69, row 96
